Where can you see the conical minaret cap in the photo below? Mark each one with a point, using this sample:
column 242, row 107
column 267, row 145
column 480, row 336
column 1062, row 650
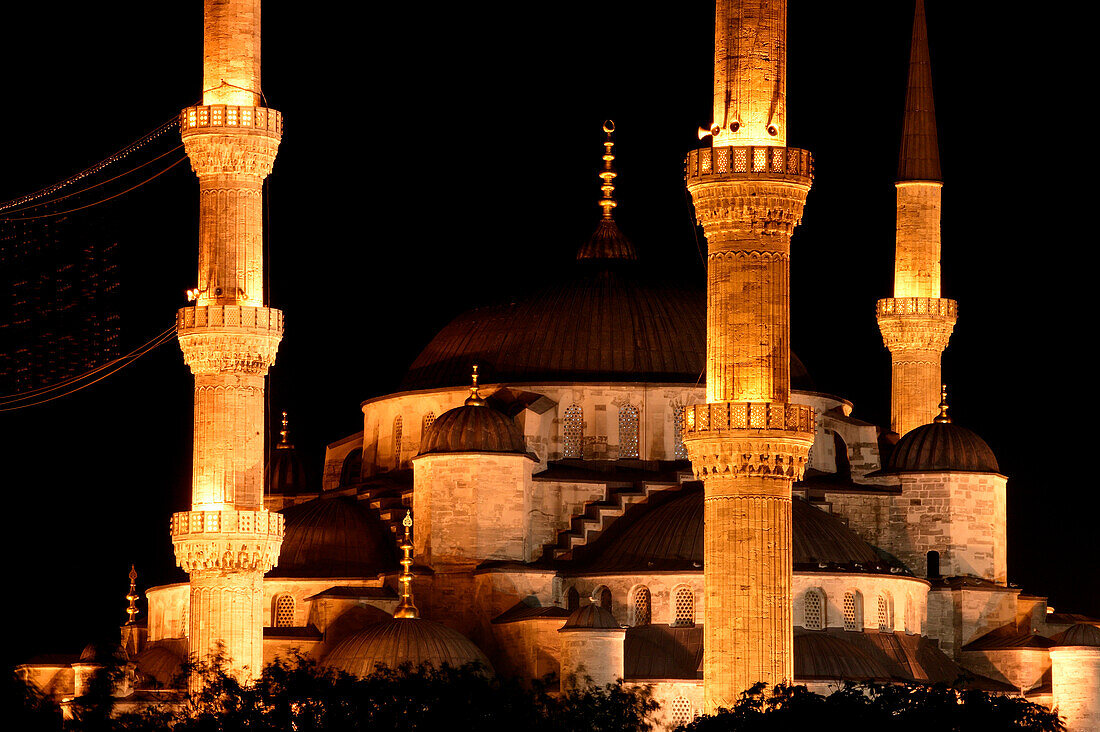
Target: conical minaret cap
column 920, row 151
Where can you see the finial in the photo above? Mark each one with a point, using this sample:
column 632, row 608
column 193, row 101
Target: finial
column 607, row 174
column 132, row 597
column 475, row 399
column 283, row 433
column 406, row 608
column 942, row 417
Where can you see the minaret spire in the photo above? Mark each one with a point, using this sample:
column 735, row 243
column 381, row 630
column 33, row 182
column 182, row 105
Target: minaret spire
column 920, row 152
column 916, row 323
column 132, row 597
column 749, row 442
column 607, row 243
column 406, row 609
column 229, row 338
column 607, row 175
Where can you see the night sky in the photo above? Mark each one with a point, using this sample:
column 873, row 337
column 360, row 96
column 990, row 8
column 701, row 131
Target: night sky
column 438, row 158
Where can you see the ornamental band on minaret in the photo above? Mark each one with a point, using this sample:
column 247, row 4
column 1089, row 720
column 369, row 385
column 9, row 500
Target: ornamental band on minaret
column 227, row 541
column 916, row 322
column 748, row 443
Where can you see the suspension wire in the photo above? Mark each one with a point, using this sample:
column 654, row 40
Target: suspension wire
column 114, row 157
column 95, row 203
column 65, row 382
column 149, row 347
column 97, row 185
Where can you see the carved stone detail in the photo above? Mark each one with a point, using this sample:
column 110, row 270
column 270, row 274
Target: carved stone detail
column 228, row 541
column 756, row 208
column 229, row 338
column 236, row 153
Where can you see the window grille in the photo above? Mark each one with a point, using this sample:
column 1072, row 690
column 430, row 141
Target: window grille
column 574, row 432
column 811, row 614
column 641, row 606
column 284, row 611
column 397, row 442
column 680, row 712
column 628, row 431
column 678, row 450
column 884, row 621
column 850, row 622
column 428, row 419
column 684, row 608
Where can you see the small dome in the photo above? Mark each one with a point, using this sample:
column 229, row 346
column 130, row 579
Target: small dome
column 1081, row 634
column 472, row 428
column 394, row 642
column 591, row 617
column 942, row 446
column 102, row 653
column 334, row 537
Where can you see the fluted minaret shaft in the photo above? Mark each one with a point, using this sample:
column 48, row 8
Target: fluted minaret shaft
column 229, row 338
column 748, row 443
column 916, row 323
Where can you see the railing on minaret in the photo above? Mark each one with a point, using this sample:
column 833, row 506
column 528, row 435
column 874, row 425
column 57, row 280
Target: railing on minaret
column 229, row 337
column 748, row 443
column 916, row 323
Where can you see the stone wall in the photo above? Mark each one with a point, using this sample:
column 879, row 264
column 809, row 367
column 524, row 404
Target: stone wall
column 1076, row 677
column 1021, row 667
column 957, row 616
column 591, row 653
column 528, row 649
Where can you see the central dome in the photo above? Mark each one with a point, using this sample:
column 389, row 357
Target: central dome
column 608, row 321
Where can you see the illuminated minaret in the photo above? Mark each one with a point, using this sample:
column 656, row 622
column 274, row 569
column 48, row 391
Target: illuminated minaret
column 916, row 322
column 748, row 443
column 227, row 541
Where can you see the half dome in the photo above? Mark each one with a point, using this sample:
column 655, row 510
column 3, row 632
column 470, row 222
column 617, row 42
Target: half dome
column 942, row 446
column 394, row 642
column 590, row 617
column 669, row 536
column 334, row 537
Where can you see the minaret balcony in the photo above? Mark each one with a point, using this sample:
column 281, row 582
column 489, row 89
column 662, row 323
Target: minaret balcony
column 749, row 439
column 758, row 162
column 219, row 117
column 936, row 307
column 227, row 540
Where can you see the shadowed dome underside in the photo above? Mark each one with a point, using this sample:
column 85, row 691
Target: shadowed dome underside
column 606, row 323
column 333, row 537
column 669, row 536
column 591, row 617
column 394, row 642
column 1081, row 634
column 942, row 446
column 472, row 429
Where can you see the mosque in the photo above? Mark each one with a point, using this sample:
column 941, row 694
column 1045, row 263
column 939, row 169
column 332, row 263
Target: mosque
column 618, row 476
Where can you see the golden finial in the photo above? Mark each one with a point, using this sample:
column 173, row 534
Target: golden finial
column 406, row 608
column 132, row 597
column 475, row 399
column 284, row 442
column 607, row 174
column 942, row 417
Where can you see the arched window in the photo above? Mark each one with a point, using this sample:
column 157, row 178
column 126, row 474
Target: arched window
column 397, row 442
column 628, row 431
column 284, row 611
column 572, row 599
column 680, row 712
column 640, row 606
column 679, row 452
column 853, row 611
column 885, row 617
column 602, row 597
column 813, row 611
column 352, row 468
column 840, row 451
column 683, row 607
column 933, row 559
column 574, row 432
column 428, row 419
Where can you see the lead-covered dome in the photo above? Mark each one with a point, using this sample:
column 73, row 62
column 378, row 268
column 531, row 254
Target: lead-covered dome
column 334, row 537
column 397, row 641
column 942, row 446
column 607, row 321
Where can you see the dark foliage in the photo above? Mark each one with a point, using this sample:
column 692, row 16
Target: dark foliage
column 900, row 707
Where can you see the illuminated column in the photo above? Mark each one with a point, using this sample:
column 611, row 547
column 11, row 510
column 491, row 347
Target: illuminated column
column 916, row 323
column 227, row 541
column 748, row 443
